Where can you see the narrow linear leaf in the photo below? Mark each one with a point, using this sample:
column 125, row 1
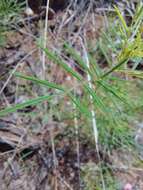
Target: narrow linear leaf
column 125, row 27
column 39, row 81
column 113, row 91
column 25, row 104
column 138, row 74
column 81, row 108
column 77, row 58
column 114, row 68
column 57, row 59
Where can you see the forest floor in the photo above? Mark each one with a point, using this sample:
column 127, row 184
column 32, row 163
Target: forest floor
column 44, row 146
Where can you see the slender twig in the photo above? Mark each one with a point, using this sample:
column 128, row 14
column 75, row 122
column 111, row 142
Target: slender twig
column 45, row 40
column 16, row 67
column 95, row 130
column 54, row 157
column 77, row 143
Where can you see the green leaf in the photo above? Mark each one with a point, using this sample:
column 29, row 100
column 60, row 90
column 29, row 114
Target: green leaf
column 81, row 108
column 124, row 61
column 77, row 58
column 16, row 107
column 57, row 59
column 123, row 22
column 39, row 81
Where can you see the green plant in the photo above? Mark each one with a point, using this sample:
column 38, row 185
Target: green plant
column 9, row 12
column 108, row 98
column 105, row 92
column 9, row 16
column 91, row 178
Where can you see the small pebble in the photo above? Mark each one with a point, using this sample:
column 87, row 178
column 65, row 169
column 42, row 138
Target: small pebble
column 29, row 11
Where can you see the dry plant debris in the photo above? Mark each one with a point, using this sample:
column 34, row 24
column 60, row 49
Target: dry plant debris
column 29, row 159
